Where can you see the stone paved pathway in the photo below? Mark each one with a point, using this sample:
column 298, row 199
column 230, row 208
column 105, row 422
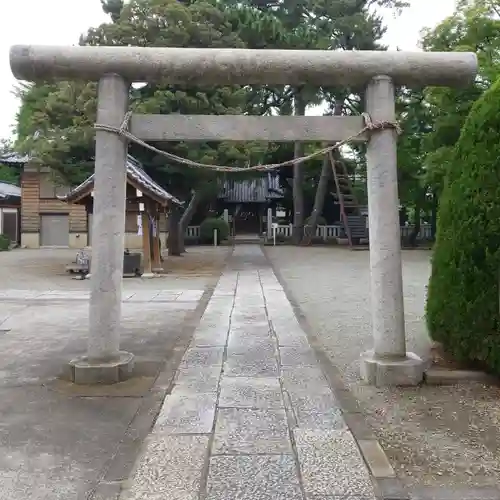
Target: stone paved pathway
column 251, row 416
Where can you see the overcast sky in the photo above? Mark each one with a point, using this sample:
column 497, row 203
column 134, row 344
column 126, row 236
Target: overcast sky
column 60, row 22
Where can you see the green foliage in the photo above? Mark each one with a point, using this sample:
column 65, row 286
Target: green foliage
column 431, row 119
column 56, row 121
column 56, row 126
column 474, row 27
column 4, row 243
column 463, row 295
column 211, row 224
column 8, row 174
column 113, row 8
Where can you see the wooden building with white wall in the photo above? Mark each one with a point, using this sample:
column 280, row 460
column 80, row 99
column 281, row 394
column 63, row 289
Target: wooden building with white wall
column 48, row 220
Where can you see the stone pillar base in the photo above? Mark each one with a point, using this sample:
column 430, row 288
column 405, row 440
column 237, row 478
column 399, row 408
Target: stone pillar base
column 147, row 275
column 83, row 372
column 399, row 372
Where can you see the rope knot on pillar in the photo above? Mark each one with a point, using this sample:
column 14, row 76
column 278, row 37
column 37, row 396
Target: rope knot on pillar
column 125, row 124
column 374, row 126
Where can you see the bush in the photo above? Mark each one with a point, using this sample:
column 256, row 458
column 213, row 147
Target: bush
column 208, row 226
column 463, row 294
column 4, row 243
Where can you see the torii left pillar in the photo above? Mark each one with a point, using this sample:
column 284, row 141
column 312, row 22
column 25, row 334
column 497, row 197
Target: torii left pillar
column 104, row 362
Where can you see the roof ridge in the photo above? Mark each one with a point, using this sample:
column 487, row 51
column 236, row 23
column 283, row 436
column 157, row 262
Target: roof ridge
column 135, row 172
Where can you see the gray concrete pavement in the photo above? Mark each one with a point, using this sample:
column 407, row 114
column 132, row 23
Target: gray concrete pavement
column 58, row 441
column 251, row 415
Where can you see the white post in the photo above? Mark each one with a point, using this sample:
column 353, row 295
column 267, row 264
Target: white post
column 215, row 237
column 388, row 363
column 104, row 362
column 269, row 222
column 226, row 215
column 275, row 227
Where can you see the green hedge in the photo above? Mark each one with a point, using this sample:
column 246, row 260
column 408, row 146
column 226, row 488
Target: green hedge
column 463, row 295
column 4, row 242
column 208, row 226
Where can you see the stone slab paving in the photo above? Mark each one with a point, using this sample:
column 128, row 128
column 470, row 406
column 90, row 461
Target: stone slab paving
column 140, row 295
column 251, row 415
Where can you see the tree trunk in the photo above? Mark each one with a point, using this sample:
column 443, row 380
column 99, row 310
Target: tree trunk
column 319, row 202
column 186, row 218
column 173, row 243
column 412, row 240
column 322, row 189
column 298, row 179
column 435, row 205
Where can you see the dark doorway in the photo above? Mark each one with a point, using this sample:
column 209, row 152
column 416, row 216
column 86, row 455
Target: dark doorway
column 247, row 220
column 10, row 225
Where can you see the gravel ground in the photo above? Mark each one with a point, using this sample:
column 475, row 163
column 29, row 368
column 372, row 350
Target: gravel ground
column 434, row 436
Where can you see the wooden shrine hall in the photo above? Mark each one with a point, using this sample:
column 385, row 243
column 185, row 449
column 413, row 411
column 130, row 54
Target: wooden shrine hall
column 145, row 200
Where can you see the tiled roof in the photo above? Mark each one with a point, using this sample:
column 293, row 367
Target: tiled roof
column 14, row 159
column 257, row 190
column 8, row 190
column 136, row 174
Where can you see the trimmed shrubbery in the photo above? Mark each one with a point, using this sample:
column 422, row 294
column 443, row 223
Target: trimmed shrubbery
column 463, row 297
column 208, row 226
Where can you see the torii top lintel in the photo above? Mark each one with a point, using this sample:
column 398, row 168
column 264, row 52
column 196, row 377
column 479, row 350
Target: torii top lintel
column 242, row 66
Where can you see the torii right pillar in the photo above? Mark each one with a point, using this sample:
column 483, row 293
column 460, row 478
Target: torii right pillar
column 388, row 363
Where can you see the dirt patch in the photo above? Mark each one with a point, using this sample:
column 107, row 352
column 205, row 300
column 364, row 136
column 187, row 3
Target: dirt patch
column 197, row 263
column 442, row 360
column 46, row 268
column 44, row 264
column 135, row 387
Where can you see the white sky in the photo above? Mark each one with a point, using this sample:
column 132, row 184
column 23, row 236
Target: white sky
column 60, row 22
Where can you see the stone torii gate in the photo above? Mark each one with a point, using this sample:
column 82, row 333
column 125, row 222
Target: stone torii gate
column 115, row 68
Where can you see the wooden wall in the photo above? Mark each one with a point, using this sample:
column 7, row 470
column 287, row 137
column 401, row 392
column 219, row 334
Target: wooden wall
column 38, row 198
column 33, row 206
column 30, row 202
